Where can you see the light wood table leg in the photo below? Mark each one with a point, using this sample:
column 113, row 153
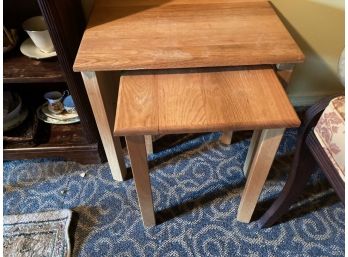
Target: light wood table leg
column 102, row 90
column 265, row 152
column 149, row 145
column 138, row 158
column 251, row 152
column 226, row 137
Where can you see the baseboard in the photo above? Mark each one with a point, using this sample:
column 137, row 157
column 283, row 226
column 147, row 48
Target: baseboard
column 308, row 100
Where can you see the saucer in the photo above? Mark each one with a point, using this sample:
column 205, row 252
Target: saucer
column 61, row 116
column 50, row 120
column 29, row 49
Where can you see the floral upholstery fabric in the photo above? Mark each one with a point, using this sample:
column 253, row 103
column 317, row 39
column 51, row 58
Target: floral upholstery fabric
column 330, row 132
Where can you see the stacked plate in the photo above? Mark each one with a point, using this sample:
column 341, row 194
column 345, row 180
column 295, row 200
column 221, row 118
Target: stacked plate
column 14, row 114
column 62, row 118
column 29, row 49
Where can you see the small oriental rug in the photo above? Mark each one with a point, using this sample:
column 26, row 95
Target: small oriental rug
column 37, row 234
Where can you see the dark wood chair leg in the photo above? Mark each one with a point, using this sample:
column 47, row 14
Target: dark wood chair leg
column 302, row 167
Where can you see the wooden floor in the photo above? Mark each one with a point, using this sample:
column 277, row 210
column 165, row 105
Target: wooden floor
column 164, row 102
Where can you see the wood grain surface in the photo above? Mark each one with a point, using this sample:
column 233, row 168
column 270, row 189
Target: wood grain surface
column 202, row 100
column 18, row 68
column 66, row 141
column 157, row 34
column 138, row 105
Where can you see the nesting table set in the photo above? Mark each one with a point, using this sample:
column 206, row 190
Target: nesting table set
column 185, row 66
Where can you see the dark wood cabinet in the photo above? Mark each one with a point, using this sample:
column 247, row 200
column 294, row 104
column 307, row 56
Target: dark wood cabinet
column 32, row 78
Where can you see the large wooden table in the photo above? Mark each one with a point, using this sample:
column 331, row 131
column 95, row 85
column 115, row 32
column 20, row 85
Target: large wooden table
column 166, row 34
column 172, row 34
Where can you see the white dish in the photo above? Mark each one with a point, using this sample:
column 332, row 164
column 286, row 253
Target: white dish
column 37, row 30
column 15, row 122
column 50, row 120
column 29, row 49
column 61, row 116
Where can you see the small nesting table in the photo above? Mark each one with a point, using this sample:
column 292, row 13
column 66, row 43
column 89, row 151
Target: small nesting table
column 186, row 101
column 176, row 34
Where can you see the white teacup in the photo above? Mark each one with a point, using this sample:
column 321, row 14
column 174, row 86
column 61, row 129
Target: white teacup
column 37, row 30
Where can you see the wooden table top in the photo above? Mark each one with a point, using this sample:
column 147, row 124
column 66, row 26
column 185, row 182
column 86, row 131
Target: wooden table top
column 160, row 34
column 202, row 100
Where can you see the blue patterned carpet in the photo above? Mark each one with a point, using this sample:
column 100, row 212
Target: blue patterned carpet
column 196, row 195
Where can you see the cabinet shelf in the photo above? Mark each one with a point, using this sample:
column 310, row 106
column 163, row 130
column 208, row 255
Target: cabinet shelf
column 66, row 141
column 21, row 69
column 31, row 78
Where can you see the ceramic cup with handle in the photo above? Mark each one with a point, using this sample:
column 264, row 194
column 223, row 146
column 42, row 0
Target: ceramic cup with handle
column 37, row 30
column 54, row 99
column 69, row 105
